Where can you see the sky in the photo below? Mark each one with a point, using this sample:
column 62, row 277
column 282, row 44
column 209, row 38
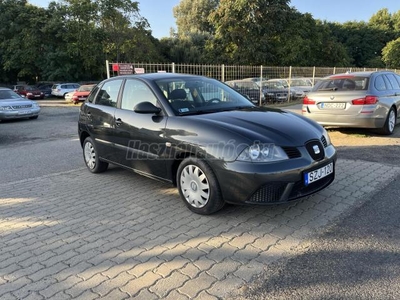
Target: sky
column 160, row 16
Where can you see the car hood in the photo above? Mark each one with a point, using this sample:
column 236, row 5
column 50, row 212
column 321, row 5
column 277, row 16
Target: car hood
column 16, row 102
column 81, row 93
column 265, row 125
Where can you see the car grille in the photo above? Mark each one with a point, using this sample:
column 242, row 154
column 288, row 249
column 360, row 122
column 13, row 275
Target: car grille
column 270, row 193
column 324, row 142
column 21, row 106
column 292, row 152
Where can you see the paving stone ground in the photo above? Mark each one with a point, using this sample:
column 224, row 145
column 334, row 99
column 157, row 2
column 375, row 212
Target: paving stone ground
column 117, row 235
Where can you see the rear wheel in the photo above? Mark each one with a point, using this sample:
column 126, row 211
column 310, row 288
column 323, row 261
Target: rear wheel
column 91, row 157
column 390, row 122
column 198, row 186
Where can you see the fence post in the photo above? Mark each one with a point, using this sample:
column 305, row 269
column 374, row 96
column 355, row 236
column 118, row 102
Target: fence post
column 289, row 81
column 313, row 76
column 108, row 69
column 173, row 67
column 223, row 73
column 334, row 70
column 261, row 79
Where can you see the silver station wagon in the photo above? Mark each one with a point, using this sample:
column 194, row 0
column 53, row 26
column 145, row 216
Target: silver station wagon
column 359, row 100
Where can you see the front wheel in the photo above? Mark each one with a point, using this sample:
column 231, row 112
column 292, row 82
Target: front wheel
column 91, row 157
column 390, row 122
column 198, row 186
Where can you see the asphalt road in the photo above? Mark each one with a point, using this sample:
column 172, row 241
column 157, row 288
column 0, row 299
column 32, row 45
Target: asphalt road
column 32, row 148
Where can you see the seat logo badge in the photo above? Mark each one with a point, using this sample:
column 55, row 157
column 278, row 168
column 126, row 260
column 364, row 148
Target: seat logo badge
column 332, row 97
column 316, row 149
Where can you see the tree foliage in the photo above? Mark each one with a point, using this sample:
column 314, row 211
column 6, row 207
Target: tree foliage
column 72, row 39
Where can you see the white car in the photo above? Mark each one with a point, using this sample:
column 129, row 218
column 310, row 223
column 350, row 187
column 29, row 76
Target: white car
column 61, row 89
column 68, row 96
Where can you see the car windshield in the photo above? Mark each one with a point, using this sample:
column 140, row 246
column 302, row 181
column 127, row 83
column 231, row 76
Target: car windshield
column 8, row 95
column 342, row 83
column 85, row 88
column 300, row 82
column 199, row 95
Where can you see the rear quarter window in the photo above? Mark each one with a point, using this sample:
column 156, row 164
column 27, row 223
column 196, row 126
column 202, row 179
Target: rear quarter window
column 380, row 84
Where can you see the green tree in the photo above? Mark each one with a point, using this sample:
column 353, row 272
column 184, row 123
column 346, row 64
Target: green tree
column 246, row 32
column 391, row 54
column 21, row 43
column 192, row 16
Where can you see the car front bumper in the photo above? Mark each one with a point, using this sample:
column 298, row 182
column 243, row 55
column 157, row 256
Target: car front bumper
column 19, row 114
column 272, row 183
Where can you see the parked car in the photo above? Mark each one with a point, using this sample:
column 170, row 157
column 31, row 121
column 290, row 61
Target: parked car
column 274, row 92
column 61, row 89
column 45, row 88
column 360, row 100
column 14, row 106
column 68, row 96
column 297, row 84
column 82, row 93
column 224, row 150
column 28, row 92
column 249, row 89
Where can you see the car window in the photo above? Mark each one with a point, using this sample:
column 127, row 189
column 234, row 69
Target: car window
column 135, row 92
column 342, row 83
column 108, row 94
column 393, row 81
column 380, row 84
column 93, row 94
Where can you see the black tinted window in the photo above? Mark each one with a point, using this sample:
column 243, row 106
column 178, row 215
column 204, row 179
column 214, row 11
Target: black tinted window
column 92, row 95
column 108, row 94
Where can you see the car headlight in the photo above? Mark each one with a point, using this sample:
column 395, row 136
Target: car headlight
column 29, row 94
column 5, row 108
column 262, row 153
column 326, row 136
column 35, row 104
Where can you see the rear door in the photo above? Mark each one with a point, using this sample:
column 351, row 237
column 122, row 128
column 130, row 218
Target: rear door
column 99, row 113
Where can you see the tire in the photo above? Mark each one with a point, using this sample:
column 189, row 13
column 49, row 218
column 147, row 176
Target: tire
column 91, row 157
column 198, row 186
column 390, row 122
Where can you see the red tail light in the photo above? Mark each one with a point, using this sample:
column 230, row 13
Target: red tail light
column 365, row 101
column 306, row 100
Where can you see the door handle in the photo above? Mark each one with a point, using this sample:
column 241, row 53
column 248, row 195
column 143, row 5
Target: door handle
column 89, row 116
column 118, row 122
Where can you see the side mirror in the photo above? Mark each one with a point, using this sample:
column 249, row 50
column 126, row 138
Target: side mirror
column 146, row 108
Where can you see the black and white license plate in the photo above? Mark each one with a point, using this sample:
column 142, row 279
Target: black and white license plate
column 333, row 105
column 318, row 174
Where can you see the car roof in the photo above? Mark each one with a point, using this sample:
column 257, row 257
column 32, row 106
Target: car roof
column 155, row 76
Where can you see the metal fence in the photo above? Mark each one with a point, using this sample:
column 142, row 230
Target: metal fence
column 229, row 72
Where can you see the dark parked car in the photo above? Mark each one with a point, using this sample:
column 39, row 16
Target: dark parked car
column 249, row 89
column 217, row 149
column 14, row 106
column 274, row 92
column 359, row 99
column 29, row 92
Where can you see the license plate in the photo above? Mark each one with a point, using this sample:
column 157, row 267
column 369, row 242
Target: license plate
column 24, row 112
column 335, row 105
column 37, row 96
column 81, row 98
column 318, row 174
